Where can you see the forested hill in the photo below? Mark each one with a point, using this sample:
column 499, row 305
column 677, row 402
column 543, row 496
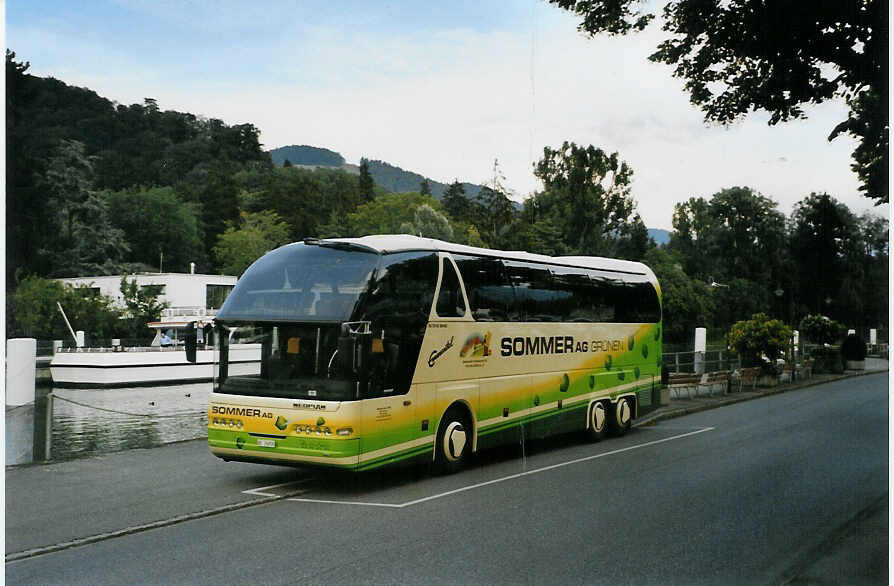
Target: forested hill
column 385, row 175
column 97, row 187
column 306, row 155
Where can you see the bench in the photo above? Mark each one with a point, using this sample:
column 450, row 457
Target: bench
column 715, row 380
column 746, row 376
column 679, row 381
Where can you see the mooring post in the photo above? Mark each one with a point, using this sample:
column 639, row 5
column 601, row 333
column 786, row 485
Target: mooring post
column 21, row 371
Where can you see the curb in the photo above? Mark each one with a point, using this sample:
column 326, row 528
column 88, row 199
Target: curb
column 728, row 399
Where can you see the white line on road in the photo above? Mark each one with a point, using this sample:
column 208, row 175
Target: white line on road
column 504, row 478
column 258, row 491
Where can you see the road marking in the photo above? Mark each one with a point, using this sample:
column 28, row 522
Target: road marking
column 504, row 478
column 258, row 491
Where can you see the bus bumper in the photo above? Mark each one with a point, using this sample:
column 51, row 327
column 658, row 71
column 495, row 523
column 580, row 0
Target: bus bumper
column 241, row 445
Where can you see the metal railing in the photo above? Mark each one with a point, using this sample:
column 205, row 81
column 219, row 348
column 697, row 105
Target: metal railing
column 188, row 311
column 714, row 360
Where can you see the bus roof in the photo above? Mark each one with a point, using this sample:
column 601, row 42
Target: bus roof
column 388, row 243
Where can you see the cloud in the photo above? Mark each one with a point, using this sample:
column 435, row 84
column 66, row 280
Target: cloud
column 446, row 100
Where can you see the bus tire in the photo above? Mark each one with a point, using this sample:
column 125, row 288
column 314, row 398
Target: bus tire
column 621, row 417
column 598, row 423
column 453, row 444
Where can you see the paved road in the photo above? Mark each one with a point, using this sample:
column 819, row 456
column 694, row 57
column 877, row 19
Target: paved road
column 743, row 494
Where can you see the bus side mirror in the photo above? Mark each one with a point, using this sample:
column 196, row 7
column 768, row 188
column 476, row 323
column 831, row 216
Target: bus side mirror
column 190, row 340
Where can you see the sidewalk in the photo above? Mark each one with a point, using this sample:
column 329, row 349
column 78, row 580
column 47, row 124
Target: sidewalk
column 680, row 406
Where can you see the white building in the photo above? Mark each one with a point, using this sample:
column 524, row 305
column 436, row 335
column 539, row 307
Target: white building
column 186, row 294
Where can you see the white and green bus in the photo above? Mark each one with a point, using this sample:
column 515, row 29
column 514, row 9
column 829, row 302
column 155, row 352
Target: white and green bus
column 384, row 348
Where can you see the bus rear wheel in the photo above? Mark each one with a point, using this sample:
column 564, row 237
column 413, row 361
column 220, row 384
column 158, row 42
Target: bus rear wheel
column 598, row 423
column 453, row 445
column 622, row 417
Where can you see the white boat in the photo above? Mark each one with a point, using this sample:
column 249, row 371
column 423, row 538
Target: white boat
column 155, row 364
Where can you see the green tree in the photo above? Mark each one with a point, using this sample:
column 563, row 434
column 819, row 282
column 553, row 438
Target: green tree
column 686, row 303
column 141, row 306
column 32, row 311
column 743, row 55
column 736, row 240
column 825, row 240
column 494, row 215
column 156, row 222
column 304, row 199
column 212, row 188
column 748, row 234
column 425, row 187
column 429, row 224
column 455, row 202
column 257, row 234
column 691, row 237
column 587, row 191
column 86, row 241
column 384, row 215
column 366, row 185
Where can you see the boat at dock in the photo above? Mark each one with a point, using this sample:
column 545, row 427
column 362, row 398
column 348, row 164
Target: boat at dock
column 122, row 366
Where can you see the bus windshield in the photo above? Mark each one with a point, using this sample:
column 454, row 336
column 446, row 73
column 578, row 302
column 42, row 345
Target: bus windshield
column 291, row 307
column 301, row 283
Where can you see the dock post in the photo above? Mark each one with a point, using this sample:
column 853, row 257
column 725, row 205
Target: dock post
column 21, row 371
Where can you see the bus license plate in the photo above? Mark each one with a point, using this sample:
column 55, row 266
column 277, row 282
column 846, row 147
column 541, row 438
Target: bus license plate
column 266, row 443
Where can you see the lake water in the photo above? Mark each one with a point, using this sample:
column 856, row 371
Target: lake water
column 63, row 424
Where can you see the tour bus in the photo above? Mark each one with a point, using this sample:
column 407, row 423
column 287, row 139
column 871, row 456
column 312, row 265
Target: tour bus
column 384, row 348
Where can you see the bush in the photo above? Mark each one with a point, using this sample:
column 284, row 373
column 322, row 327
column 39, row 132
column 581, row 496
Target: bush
column 819, row 329
column 760, row 340
column 853, row 348
column 33, row 312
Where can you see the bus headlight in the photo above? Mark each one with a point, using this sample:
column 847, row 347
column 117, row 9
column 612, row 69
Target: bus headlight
column 344, row 431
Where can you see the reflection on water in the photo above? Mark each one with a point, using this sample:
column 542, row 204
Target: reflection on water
column 72, row 423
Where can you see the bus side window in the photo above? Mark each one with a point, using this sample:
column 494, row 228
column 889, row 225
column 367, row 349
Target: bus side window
column 536, row 296
column 450, row 296
column 491, row 296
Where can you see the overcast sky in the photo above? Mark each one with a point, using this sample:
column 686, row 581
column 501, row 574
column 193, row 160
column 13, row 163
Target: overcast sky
column 439, row 88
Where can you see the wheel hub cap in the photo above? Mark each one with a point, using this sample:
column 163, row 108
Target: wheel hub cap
column 454, row 441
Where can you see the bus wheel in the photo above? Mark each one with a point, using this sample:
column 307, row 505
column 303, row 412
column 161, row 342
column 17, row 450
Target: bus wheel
column 622, row 417
column 454, row 442
column 598, row 421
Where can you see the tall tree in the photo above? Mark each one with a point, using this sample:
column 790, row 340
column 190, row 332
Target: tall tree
column 156, row 222
column 737, row 56
column 85, row 240
column 589, row 190
column 366, row 185
column 428, row 223
column 455, row 202
column 425, row 187
column 824, row 241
